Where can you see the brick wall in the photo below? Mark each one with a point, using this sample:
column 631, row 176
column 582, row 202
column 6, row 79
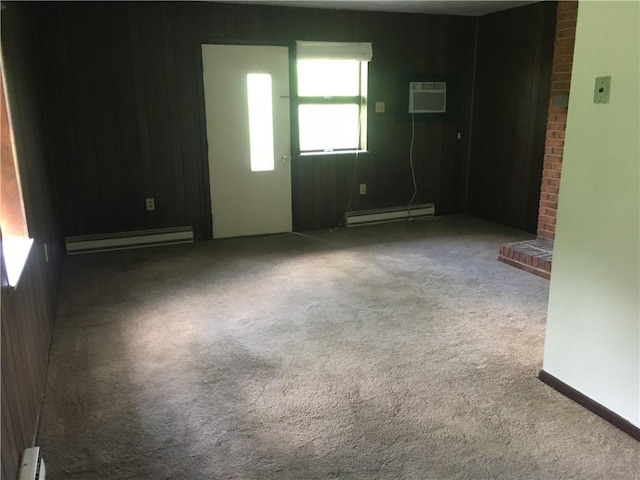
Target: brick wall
column 557, row 118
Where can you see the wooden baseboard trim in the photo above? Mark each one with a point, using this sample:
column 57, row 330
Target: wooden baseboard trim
column 613, row 418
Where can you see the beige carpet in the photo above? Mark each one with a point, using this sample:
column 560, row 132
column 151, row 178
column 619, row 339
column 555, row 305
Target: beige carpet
column 397, row 351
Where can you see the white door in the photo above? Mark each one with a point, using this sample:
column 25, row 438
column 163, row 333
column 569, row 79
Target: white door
column 249, row 168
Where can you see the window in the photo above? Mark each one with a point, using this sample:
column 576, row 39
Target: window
column 332, row 96
column 260, row 122
column 12, row 218
column 15, row 244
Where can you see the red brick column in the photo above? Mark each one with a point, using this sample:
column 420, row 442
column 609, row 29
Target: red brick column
column 557, row 117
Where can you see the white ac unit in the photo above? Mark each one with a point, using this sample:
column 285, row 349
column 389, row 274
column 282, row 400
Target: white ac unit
column 427, row 97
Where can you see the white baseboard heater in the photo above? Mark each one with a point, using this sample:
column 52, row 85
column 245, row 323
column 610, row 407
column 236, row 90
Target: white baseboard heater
column 393, row 214
column 32, row 465
column 128, row 240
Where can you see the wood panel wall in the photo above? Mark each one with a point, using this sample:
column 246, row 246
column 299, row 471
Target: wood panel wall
column 27, row 322
column 107, row 108
column 512, row 84
column 124, row 95
column 28, row 311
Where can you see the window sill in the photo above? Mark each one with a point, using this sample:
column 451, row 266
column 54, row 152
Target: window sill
column 15, row 251
column 340, row 152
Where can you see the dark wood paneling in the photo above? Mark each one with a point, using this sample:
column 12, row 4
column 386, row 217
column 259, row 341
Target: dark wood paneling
column 134, row 125
column 129, row 138
column 27, row 321
column 28, row 311
column 403, row 44
column 139, row 80
column 513, row 71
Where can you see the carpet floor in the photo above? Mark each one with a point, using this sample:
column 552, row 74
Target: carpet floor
column 395, row 351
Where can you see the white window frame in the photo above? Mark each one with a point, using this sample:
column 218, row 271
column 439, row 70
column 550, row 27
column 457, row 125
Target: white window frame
column 361, row 52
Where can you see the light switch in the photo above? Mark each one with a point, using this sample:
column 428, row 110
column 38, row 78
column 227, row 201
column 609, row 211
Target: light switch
column 379, row 107
column 602, row 90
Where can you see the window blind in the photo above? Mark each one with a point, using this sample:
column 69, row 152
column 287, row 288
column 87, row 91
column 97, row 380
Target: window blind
column 360, row 51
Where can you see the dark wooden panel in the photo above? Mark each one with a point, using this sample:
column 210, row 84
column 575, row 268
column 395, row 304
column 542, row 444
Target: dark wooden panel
column 174, row 120
column 157, row 89
column 140, row 95
column 27, row 319
column 158, row 115
column 440, row 163
column 104, row 96
column 81, row 106
column 511, row 94
column 8, row 436
column 128, row 142
column 28, row 311
column 196, row 200
column 62, row 141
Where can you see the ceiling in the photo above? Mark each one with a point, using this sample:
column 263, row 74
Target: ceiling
column 441, row 7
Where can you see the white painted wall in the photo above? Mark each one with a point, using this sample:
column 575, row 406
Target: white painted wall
column 593, row 326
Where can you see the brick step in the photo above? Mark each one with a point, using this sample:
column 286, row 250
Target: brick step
column 532, row 256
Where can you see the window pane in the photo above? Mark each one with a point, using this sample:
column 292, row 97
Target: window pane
column 328, row 78
column 260, row 122
column 328, row 127
column 12, row 218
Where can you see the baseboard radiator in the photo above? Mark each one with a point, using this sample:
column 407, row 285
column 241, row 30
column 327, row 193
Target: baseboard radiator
column 393, row 214
column 128, row 240
column 32, row 465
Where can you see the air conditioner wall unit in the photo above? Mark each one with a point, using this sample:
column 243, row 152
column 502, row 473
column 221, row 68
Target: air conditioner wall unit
column 427, row 97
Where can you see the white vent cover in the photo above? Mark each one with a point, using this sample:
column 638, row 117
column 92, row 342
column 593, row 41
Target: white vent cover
column 427, row 97
column 128, row 240
column 393, row 214
column 32, row 465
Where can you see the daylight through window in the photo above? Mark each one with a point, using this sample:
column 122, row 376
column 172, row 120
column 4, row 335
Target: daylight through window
column 260, row 122
column 332, row 96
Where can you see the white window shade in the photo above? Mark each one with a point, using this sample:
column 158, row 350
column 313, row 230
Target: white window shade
column 361, row 51
column 322, row 78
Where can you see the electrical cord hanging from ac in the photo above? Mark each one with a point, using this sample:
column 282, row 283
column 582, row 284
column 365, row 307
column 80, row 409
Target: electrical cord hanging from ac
column 413, row 171
column 353, row 182
column 355, row 169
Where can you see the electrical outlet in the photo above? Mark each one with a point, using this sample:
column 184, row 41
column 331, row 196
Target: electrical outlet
column 363, row 189
column 380, row 107
column 151, row 204
column 602, row 90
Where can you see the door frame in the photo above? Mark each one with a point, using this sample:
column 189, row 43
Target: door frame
column 207, row 220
